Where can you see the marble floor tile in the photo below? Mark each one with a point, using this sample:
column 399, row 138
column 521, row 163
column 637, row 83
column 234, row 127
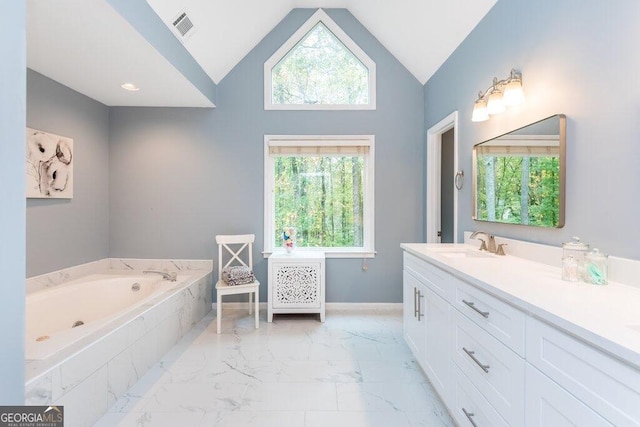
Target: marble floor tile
column 156, row 419
column 300, row 371
column 253, row 419
column 391, row 371
column 290, row 397
column 356, row 419
column 352, row 370
column 380, row 396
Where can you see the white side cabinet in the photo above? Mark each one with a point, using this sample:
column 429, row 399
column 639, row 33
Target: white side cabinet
column 296, row 283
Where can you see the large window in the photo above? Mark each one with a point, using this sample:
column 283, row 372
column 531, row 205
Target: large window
column 319, row 68
column 322, row 186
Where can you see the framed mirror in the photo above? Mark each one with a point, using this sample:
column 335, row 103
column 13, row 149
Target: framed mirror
column 519, row 177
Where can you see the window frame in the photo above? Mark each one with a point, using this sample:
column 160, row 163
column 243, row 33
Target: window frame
column 319, row 16
column 367, row 250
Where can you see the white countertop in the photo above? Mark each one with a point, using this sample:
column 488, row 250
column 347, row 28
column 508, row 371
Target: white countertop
column 607, row 316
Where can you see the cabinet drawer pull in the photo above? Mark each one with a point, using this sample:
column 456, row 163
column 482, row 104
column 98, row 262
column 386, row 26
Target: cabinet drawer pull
column 415, row 301
column 469, row 416
column 420, row 313
column 471, row 355
column 472, row 305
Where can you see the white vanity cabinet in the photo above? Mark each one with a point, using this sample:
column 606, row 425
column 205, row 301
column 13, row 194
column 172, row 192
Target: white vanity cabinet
column 455, row 352
column 427, row 322
column 608, row 388
column 496, row 363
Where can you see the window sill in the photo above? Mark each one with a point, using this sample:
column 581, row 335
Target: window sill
column 331, row 252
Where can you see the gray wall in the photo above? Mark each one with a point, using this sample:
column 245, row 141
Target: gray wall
column 577, row 58
column 180, row 176
column 12, row 210
column 67, row 232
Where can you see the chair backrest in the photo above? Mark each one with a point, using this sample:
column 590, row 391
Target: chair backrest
column 234, row 245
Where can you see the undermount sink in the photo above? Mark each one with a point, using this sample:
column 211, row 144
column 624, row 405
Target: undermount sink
column 461, row 252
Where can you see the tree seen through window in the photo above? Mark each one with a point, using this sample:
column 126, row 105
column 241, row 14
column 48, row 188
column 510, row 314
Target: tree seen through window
column 320, row 70
column 322, row 196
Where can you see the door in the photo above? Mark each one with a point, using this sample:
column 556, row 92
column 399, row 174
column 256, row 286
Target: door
column 442, row 153
column 447, row 173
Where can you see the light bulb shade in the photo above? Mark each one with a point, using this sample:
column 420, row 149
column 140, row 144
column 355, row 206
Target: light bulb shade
column 495, row 103
column 480, row 113
column 513, row 93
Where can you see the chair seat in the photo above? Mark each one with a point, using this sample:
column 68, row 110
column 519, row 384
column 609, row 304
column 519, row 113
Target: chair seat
column 223, row 288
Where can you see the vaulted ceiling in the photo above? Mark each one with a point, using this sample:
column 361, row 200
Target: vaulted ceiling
column 88, row 46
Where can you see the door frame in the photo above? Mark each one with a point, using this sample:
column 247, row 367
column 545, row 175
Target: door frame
column 434, row 159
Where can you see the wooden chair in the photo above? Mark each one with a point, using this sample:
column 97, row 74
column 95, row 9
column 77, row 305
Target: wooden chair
column 235, row 245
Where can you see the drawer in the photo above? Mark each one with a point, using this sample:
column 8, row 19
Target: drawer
column 436, row 279
column 471, row 408
column 501, row 320
column 608, row 386
column 495, row 370
column 548, row 404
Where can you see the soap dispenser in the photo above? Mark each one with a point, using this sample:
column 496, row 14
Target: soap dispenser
column 573, row 255
column 595, row 267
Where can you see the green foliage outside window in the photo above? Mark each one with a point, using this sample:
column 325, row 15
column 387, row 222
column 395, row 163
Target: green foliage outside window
column 320, row 70
column 518, row 190
column 322, row 197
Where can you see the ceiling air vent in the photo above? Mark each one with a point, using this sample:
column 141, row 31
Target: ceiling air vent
column 182, row 26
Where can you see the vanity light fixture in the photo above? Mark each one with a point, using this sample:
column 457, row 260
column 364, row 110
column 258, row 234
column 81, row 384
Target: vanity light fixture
column 501, row 94
column 130, row 87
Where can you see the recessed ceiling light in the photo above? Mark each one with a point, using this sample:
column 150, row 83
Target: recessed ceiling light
column 130, row 86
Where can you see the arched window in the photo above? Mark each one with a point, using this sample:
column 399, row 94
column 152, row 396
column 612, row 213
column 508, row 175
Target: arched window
column 319, row 68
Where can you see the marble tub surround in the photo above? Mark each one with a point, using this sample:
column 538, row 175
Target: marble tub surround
column 129, row 264
column 90, row 375
column 55, row 278
column 116, row 265
column 603, row 316
column 352, row 370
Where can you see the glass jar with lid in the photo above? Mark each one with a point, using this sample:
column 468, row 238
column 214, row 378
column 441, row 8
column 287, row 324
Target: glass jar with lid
column 573, row 260
column 595, row 267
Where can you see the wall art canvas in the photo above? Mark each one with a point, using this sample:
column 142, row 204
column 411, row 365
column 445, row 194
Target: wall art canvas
column 49, row 165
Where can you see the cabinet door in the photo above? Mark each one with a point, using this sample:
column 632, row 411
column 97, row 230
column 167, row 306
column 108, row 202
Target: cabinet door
column 296, row 284
column 437, row 359
column 548, row 404
column 414, row 324
column 608, row 386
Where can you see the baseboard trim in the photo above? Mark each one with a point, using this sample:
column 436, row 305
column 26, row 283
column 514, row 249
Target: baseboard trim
column 354, row 306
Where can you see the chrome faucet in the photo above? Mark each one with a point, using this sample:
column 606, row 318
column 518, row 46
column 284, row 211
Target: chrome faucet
column 173, row 276
column 483, row 245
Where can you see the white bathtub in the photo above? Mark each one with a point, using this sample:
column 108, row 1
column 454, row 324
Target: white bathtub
column 88, row 367
column 91, row 303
